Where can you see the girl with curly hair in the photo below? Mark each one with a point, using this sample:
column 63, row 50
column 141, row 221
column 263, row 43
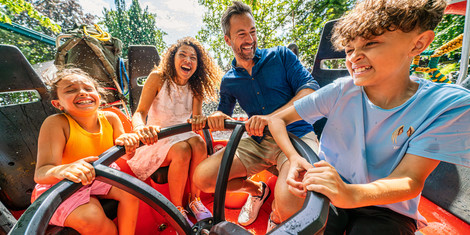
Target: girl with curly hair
column 173, row 92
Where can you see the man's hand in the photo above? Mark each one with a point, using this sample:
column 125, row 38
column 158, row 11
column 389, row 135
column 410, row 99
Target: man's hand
column 216, row 121
column 323, row 178
column 256, row 124
column 147, row 134
column 295, row 176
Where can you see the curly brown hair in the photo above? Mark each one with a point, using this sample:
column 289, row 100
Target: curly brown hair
column 205, row 78
column 68, row 70
column 371, row 18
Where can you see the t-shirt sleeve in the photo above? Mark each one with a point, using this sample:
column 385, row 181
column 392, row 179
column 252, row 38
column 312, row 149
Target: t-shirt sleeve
column 297, row 75
column 447, row 138
column 319, row 103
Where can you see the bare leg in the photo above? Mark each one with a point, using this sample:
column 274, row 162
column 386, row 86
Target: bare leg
column 287, row 204
column 90, row 219
column 128, row 209
column 205, row 176
column 199, row 153
column 178, row 158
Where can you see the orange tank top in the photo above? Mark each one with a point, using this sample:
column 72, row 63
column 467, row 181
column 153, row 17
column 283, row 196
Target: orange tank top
column 82, row 143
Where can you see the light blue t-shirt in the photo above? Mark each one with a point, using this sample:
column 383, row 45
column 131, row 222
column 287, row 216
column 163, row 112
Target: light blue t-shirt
column 365, row 142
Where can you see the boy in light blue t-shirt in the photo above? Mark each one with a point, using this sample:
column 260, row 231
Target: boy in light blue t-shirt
column 386, row 131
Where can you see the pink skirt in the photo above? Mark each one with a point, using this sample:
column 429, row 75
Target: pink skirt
column 82, row 196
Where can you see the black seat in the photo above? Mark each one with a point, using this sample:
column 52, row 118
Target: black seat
column 320, row 72
column 448, row 186
column 19, row 126
column 24, row 104
column 142, row 59
column 23, row 107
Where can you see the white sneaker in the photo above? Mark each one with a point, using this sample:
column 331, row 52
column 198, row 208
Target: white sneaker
column 250, row 210
column 271, row 224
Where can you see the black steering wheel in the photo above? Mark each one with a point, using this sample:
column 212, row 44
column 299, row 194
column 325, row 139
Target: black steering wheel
column 309, row 220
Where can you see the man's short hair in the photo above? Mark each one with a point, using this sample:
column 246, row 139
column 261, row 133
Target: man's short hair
column 294, row 48
column 371, row 18
column 237, row 8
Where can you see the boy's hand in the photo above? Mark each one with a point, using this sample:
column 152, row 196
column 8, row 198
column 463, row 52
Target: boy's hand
column 147, row 134
column 129, row 140
column 198, row 122
column 216, row 121
column 80, row 171
column 324, row 179
column 256, row 124
column 298, row 167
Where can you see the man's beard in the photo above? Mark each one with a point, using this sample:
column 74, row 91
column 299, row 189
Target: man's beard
column 245, row 56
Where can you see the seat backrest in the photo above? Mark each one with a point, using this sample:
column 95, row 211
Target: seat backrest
column 320, row 72
column 448, row 186
column 19, row 126
column 142, row 59
column 325, row 53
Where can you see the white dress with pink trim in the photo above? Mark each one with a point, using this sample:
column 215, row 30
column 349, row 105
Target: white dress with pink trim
column 165, row 111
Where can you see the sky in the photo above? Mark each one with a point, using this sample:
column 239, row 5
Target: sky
column 178, row 18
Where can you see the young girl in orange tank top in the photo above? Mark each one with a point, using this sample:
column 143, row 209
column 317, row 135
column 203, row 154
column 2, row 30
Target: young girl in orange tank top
column 68, row 144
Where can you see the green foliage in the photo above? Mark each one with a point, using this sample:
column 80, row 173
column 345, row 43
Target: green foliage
column 18, row 97
column 278, row 22
column 19, row 6
column 310, row 18
column 134, row 26
column 450, row 27
column 68, row 12
column 34, row 51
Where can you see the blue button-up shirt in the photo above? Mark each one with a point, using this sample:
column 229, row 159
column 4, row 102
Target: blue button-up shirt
column 275, row 79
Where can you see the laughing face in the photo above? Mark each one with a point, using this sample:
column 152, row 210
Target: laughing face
column 380, row 60
column 242, row 37
column 185, row 63
column 77, row 95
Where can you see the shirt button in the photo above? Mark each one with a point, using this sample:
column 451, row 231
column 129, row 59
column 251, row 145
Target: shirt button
column 263, row 107
column 257, row 93
column 252, row 78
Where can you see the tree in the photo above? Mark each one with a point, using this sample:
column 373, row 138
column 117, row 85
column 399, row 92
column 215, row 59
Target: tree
column 19, row 6
column 68, row 12
column 311, row 17
column 133, row 26
column 278, row 22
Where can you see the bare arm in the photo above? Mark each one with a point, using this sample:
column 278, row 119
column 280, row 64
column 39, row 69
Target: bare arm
column 148, row 135
column 298, row 165
column 151, row 87
column 404, row 183
column 198, row 120
column 51, row 144
column 255, row 125
column 129, row 140
column 300, row 94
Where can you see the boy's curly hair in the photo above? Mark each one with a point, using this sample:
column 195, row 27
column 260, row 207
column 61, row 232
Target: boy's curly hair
column 206, row 77
column 371, row 18
column 68, row 70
